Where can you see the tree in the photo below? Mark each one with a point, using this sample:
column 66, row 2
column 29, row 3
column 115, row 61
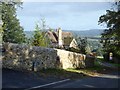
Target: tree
column 12, row 31
column 83, row 45
column 111, row 36
column 40, row 38
column 87, row 49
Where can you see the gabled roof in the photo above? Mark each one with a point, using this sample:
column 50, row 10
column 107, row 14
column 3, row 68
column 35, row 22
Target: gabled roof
column 52, row 36
column 67, row 41
column 66, row 36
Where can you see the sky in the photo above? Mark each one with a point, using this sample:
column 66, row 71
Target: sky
column 66, row 15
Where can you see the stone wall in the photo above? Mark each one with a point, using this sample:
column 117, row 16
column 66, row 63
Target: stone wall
column 25, row 57
column 71, row 59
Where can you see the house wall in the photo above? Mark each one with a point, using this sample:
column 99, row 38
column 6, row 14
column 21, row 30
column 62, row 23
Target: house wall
column 24, row 57
column 74, row 44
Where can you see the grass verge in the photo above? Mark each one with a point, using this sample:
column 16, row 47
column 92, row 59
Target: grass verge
column 101, row 59
column 72, row 73
column 61, row 73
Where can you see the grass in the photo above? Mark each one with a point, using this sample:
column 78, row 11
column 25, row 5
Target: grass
column 100, row 59
column 75, row 73
column 103, row 60
column 61, row 73
column 114, row 64
column 96, row 70
column 71, row 73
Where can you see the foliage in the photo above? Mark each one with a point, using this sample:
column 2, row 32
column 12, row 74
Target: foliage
column 12, row 31
column 40, row 38
column 111, row 36
column 73, row 50
column 83, row 45
column 29, row 41
column 96, row 46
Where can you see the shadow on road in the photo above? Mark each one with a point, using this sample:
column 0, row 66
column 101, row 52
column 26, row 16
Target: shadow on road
column 26, row 79
column 92, row 82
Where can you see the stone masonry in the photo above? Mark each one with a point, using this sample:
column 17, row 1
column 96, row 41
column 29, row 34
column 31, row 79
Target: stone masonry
column 25, row 57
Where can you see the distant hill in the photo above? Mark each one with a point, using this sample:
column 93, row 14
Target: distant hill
column 29, row 33
column 86, row 33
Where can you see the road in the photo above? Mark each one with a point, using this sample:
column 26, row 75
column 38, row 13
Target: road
column 17, row 79
column 103, row 81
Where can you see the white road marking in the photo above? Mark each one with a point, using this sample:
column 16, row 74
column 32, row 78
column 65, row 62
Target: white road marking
column 48, row 84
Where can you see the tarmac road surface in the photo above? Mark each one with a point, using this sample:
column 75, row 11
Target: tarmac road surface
column 103, row 81
column 17, row 79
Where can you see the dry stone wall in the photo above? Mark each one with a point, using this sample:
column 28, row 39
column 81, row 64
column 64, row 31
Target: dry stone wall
column 71, row 59
column 25, row 57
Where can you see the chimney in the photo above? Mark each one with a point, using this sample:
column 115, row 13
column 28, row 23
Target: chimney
column 60, row 42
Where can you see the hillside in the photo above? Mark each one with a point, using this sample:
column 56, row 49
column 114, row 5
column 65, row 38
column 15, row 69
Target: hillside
column 29, row 33
column 86, row 33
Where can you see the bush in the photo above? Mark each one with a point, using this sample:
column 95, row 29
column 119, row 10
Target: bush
column 106, row 56
column 73, row 50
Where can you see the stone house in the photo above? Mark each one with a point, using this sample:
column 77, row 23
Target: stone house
column 61, row 39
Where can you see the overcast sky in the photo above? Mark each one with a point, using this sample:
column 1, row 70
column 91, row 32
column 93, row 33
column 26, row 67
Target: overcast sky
column 68, row 16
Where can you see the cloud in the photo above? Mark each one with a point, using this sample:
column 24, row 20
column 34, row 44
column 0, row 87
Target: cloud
column 89, row 6
column 57, row 9
column 78, row 16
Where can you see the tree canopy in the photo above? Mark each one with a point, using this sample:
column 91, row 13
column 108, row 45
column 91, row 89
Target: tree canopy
column 40, row 38
column 111, row 36
column 83, row 45
column 12, row 31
